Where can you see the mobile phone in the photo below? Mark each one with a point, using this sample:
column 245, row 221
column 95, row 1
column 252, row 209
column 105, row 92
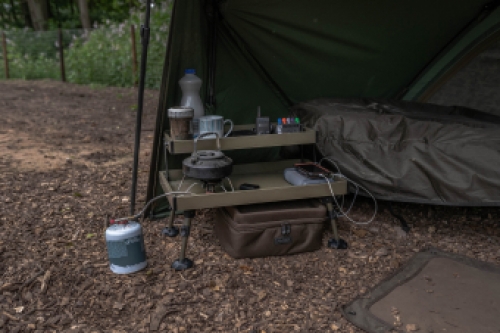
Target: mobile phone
column 312, row 170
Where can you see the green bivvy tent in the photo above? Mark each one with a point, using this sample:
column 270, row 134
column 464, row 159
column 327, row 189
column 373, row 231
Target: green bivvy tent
column 353, row 70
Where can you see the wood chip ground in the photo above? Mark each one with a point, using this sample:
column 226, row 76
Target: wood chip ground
column 65, row 168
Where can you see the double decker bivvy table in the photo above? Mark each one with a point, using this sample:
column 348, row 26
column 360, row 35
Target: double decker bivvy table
column 268, row 175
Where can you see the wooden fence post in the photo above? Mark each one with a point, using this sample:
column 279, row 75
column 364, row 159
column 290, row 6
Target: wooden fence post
column 61, row 57
column 5, row 60
column 134, row 54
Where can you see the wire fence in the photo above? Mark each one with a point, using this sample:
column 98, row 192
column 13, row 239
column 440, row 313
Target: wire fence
column 104, row 56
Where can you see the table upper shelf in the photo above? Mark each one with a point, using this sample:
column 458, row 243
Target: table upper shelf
column 307, row 136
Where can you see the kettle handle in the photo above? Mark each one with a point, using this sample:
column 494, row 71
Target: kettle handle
column 205, row 134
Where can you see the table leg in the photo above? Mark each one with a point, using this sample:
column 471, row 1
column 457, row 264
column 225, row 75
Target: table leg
column 184, row 263
column 171, row 230
column 336, row 242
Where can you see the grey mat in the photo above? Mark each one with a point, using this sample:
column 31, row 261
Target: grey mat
column 434, row 292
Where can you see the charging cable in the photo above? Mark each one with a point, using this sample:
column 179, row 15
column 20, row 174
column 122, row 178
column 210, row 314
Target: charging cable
column 340, row 207
column 345, row 214
column 341, row 175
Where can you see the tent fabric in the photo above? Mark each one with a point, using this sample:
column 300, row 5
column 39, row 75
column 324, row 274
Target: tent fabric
column 277, row 53
column 476, row 86
column 327, row 48
column 187, row 48
column 484, row 33
column 412, row 152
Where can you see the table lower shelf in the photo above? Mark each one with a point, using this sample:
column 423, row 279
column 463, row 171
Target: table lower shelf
column 268, row 175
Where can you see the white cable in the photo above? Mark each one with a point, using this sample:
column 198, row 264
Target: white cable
column 191, row 186
column 229, row 180
column 353, row 200
column 149, row 203
column 180, row 184
column 341, row 175
column 331, row 161
column 344, row 213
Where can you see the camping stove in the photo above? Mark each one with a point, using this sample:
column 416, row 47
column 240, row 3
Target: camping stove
column 211, row 186
column 208, row 166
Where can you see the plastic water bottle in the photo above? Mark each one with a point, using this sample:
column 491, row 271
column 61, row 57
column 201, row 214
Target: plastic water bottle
column 190, row 85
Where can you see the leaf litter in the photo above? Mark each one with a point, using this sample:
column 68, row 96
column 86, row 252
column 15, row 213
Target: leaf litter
column 54, row 274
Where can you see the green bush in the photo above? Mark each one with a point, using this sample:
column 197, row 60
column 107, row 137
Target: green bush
column 104, row 55
column 101, row 56
column 32, row 55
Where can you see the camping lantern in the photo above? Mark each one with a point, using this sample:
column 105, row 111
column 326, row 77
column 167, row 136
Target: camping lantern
column 125, row 245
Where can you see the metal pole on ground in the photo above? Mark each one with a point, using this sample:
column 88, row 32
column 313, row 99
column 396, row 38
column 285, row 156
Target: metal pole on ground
column 61, row 57
column 134, row 53
column 5, row 60
column 142, row 78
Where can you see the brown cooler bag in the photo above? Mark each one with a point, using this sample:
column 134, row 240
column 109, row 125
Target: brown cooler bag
column 271, row 229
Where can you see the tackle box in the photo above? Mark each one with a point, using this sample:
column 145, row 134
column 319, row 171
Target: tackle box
column 271, row 229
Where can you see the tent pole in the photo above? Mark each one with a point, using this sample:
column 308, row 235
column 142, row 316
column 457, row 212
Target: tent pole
column 144, row 56
column 212, row 57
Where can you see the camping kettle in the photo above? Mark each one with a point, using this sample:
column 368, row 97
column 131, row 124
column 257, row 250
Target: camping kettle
column 210, row 166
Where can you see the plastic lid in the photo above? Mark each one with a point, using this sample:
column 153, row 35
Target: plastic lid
column 190, row 71
column 180, row 112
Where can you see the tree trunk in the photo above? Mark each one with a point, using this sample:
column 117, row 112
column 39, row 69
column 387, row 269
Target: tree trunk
column 83, row 6
column 26, row 14
column 39, row 13
column 13, row 11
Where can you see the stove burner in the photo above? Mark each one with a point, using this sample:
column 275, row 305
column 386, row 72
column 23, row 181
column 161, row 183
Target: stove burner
column 209, row 166
column 210, row 187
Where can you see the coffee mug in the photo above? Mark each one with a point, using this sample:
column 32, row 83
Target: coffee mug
column 214, row 124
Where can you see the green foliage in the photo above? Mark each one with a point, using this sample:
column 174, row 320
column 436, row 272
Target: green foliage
column 101, row 57
column 39, row 43
column 111, row 10
column 12, row 16
column 104, row 56
column 65, row 13
column 32, row 55
column 28, row 68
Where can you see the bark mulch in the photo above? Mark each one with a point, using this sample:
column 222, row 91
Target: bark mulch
column 65, row 169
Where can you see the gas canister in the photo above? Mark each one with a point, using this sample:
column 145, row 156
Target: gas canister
column 125, row 245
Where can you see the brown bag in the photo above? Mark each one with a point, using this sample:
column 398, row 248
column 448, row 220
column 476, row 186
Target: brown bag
column 271, row 229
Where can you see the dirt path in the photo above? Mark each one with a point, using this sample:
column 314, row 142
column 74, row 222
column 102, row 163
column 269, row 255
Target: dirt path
column 65, row 159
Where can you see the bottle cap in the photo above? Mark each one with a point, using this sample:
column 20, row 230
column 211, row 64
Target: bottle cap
column 190, row 71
